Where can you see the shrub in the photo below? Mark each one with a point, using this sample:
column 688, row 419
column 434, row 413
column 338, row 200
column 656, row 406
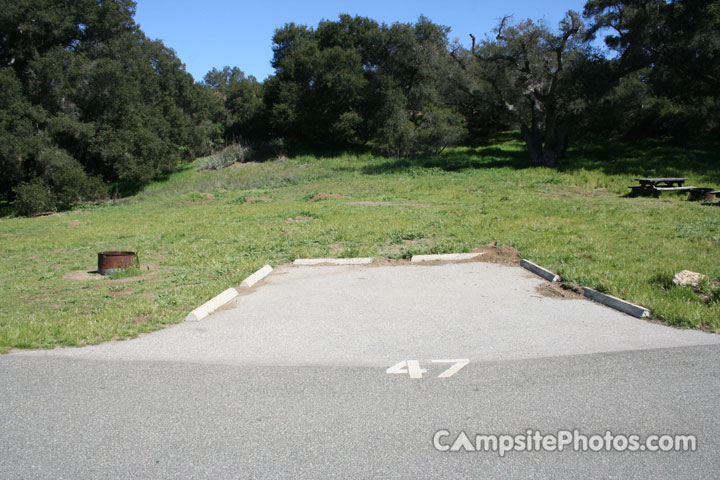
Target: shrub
column 396, row 136
column 33, row 197
column 234, row 153
column 438, row 129
column 420, row 133
column 60, row 184
column 278, row 147
column 67, row 179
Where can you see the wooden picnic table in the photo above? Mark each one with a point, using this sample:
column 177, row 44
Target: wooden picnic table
column 662, row 182
column 655, row 186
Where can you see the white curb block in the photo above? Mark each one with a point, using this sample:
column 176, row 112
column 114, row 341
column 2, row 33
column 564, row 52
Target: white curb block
column 538, row 270
column 617, row 303
column 444, row 257
column 214, row 303
column 257, row 276
column 211, row 305
column 334, row 261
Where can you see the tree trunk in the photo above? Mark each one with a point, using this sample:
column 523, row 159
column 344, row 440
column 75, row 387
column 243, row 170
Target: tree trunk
column 9, row 194
column 533, row 141
column 546, row 148
column 550, row 158
column 556, row 142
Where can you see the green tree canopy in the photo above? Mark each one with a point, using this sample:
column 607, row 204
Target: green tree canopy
column 668, row 56
column 534, row 73
column 354, row 81
column 241, row 100
column 83, row 80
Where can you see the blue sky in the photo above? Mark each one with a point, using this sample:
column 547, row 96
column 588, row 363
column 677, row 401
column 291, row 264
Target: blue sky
column 215, row 33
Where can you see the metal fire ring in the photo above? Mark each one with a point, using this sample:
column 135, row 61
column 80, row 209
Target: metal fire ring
column 108, row 262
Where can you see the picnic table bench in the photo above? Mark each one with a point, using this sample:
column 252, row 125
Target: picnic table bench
column 655, row 186
column 662, row 181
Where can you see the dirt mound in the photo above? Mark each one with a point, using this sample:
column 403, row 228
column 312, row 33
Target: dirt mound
column 384, row 262
column 298, row 219
column 144, row 318
column 83, row 275
column 555, row 290
column 200, row 198
column 149, row 270
column 407, row 245
column 258, row 200
column 322, row 196
column 503, row 254
column 388, row 204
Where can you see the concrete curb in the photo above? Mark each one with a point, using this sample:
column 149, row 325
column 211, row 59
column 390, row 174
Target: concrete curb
column 207, row 308
column 257, row 276
column 538, row 270
column 617, row 303
column 444, row 257
column 333, row 261
column 211, row 305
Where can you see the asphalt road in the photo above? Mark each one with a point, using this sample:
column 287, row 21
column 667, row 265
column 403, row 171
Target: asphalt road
column 292, row 382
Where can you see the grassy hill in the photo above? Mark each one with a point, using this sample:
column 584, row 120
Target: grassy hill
column 200, row 232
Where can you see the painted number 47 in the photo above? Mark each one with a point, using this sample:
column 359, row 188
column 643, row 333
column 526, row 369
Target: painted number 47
column 413, row 369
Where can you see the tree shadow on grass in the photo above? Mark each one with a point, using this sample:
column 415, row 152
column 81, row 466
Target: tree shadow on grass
column 326, row 150
column 699, row 162
column 477, row 141
column 467, row 159
column 502, row 150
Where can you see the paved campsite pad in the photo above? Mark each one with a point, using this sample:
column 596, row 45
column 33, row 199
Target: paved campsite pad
column 291, row 381
column 369, row 316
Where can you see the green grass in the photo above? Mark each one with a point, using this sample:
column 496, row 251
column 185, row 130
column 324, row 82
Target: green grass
column 198, row 234
column 130, row 272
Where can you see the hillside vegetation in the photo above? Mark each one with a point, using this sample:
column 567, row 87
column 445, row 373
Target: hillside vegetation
column 92, row 108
